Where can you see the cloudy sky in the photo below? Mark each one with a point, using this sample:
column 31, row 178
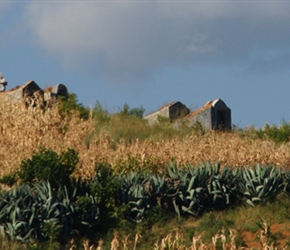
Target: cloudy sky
column 152, row 52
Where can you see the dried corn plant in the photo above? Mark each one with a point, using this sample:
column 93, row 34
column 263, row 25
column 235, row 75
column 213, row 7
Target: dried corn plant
column 24, row 130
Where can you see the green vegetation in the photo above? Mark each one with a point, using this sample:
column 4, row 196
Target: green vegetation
column 128, row 124
column 279, row 134
column 139, row 203
column 50, row 208
column 70, row 105
column 45, row 165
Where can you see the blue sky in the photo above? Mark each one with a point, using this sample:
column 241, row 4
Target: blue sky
column 150, row 53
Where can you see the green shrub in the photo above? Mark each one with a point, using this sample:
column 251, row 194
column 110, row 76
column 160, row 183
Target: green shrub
column 100, row 114
column 70, row 105
column 49, row 166
column 9, row 179
column 104, row 188
column 278, row 134
column 127, row 111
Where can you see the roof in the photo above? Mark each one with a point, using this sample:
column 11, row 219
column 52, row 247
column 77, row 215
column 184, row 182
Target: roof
column 23, row 86
column 163, row 107
column 206, row 106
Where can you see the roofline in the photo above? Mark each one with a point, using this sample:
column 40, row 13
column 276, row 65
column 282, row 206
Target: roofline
column 207, row 105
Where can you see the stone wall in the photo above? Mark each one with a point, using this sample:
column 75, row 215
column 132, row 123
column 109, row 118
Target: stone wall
column 214, row 115
column 32, row 93
column 171, row 111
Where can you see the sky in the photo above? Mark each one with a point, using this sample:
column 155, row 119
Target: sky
column 151, row 52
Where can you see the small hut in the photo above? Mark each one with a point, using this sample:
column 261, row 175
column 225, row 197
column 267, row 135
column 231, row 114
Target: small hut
column 30, row 90
column 52, row 93
column 214, row 115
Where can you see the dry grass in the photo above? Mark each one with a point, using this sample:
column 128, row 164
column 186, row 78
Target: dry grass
column 24, row 130
column 175, row 241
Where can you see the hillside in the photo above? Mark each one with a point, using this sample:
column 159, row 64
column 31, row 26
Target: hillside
column 119, row 140
column 127, row 144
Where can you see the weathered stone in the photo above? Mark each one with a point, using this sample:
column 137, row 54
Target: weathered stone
column 171, row 111
column 214, row 115
column 31, row 93
column 52, row 93
column 30, row 90
column 3, row 83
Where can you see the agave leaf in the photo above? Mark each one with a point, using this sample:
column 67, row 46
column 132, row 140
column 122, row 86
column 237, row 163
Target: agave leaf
column 259, row 188
column 199, row 189
column 247, row 193
column 172, row 171
column 217, row 169
column 191, row 194
column 191, row 183
column 187, row 210
column 250, row 203
column 176, row 207
column 256, row 199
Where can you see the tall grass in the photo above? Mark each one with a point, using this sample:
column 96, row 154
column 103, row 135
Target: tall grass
column 124, row 141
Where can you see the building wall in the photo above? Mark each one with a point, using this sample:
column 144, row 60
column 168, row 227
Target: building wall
column 152, row 118
column 17, row 94
column 212, row 116
column 172, row 112
column 203, row 117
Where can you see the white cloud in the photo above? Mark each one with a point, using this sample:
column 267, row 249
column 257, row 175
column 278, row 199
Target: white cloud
column 127, row 40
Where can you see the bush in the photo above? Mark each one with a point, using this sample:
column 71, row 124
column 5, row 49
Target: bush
column 104, row 187
column 9, row 179
column 277, row 134
column 70, row 105
column 49, row 166
column 127, row 111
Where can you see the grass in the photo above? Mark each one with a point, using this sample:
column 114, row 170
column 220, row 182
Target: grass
column 129, row 144
column 125, row 141
column 242, row 227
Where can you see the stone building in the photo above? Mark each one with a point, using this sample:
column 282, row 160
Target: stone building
column 52, row 93
column 172, row 111
column 3, row 83
column 31, row 93
column 29, row 90
column 214, row 115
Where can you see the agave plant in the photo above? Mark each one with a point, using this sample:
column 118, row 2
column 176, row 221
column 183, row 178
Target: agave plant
column 221, row 187
column 191, row 189
column 133, row 194
column 27, row 211
column 260, row 183
column 16, row 214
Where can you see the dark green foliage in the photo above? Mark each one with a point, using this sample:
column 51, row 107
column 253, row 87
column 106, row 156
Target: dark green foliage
column 100, row 114
column 39, row 213
column 134, row 195
column 127, row 111
column 260, row 183
column 104, row 188
column 201, row 189
column 70, row 105
column 278, row 134
column 9, row 179
column 49, row 210
column 49, row 166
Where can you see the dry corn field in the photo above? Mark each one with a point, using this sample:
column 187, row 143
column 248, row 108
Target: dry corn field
column 24, row 130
